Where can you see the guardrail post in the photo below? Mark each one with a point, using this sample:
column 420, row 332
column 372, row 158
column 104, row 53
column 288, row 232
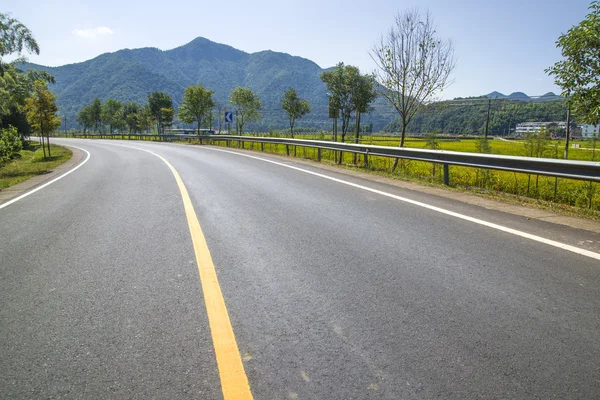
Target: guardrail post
column 262, row 146
column 287, row 150
column 367, row 158
column 446, row 175
column 319, row 154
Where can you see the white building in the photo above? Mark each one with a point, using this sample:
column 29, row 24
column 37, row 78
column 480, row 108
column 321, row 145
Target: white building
column 526, row 127
column 587, row 130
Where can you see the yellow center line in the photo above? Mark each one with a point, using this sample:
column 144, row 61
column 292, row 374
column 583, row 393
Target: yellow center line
column 234, row 382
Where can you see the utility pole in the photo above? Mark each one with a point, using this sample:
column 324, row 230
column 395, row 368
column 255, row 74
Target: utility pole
column 568, row 130
column 487, row 120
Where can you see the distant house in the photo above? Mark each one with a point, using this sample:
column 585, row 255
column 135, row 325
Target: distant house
column 587, row 130
column 526, row 127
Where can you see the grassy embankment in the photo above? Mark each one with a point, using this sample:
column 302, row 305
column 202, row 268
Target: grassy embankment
column 30, row 162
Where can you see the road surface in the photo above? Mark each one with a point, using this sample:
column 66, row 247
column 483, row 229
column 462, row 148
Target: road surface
column 332, row 291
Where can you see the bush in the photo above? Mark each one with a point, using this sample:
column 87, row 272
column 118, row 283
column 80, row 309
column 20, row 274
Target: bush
column 10, row 143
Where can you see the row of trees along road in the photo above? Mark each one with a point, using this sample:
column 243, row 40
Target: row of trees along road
column 25, row 101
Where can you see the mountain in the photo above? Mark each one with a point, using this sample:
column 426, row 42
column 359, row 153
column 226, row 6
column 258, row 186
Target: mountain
column 496, row 95
column 520, row 96
column 130, row 74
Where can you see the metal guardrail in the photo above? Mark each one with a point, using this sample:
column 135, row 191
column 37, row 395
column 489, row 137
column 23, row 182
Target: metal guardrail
column 580, row 170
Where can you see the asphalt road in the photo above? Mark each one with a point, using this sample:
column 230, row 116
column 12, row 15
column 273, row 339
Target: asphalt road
column 333, row 292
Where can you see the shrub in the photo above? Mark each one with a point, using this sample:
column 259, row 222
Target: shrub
column 10, row 143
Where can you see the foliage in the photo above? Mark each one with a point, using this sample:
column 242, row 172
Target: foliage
column 10, row 143
column 130, row 115
column 41, row 112
column 349, row 91
column 14, row 37
column 413, row 65
column 469, row 119
column 112, row 115
column 166, row 117
column 247, row 106
column 294, row 106
column 196, row 106
column 578, row 73
column 157, row 101
column 536, row 143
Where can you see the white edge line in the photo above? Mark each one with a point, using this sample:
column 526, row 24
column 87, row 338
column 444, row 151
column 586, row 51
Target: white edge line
column 49, row 182
column 573, row 249
column 512, row 231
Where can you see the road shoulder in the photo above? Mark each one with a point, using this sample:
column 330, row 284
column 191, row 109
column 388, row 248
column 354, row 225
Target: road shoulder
column 523, row 210
column 11, row 192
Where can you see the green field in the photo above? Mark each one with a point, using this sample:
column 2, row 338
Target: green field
column 30, row 163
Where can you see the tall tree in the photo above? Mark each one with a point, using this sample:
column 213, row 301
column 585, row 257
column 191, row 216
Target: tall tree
column 156, row 102
column 196, row 106
column 112, row 114
column 350, row 92
column 144, row 118
column 413, row 64
column 41, row 112
column 166, row 115
column 247, row 105
column 294, row 106
column 85, row 118
column 14, row 37
column 362, row 94
column 96, row 114
column 130, row 115
column 577, row 74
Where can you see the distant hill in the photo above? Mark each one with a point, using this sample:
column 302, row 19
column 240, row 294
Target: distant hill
column 129, row 75
column 464, row 117
column 520, row 96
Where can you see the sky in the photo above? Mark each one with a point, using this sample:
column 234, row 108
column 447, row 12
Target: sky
column 499, row 45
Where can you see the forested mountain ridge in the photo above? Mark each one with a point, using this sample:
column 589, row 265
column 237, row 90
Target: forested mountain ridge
column 464, row 117
column 130, row 74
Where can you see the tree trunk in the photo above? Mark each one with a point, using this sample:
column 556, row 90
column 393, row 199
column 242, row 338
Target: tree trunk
column 357, row 133
column 401, row 145
column 48, row 138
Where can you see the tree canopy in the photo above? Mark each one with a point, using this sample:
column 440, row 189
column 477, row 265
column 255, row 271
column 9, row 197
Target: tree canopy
column 413, row 64
column 196, row 106
column 294, row 106
column 577, row 74
column 247, row 106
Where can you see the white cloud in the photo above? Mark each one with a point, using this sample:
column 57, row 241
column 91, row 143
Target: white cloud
column 93, row 33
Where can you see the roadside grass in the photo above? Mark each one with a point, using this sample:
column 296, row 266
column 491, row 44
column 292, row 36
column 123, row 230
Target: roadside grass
column 30, row 162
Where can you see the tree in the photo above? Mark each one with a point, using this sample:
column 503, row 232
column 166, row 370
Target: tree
column 578, row 73
column 112, row 114
column 156, row 102
column 247, row 106
column 196, row 106
column 130, row 115
column 166, row 116
column 413, row 65
column 362, row 94
column 294, row 106
column 14, row 37
column 41, row 112
column 350, row 92
column 85, row 118
column 144, row 118
column 96, row 113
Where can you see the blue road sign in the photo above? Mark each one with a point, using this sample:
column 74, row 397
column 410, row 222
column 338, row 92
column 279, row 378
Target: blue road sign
column 228, row 116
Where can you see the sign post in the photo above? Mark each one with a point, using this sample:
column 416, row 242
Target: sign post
column 229, row 120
